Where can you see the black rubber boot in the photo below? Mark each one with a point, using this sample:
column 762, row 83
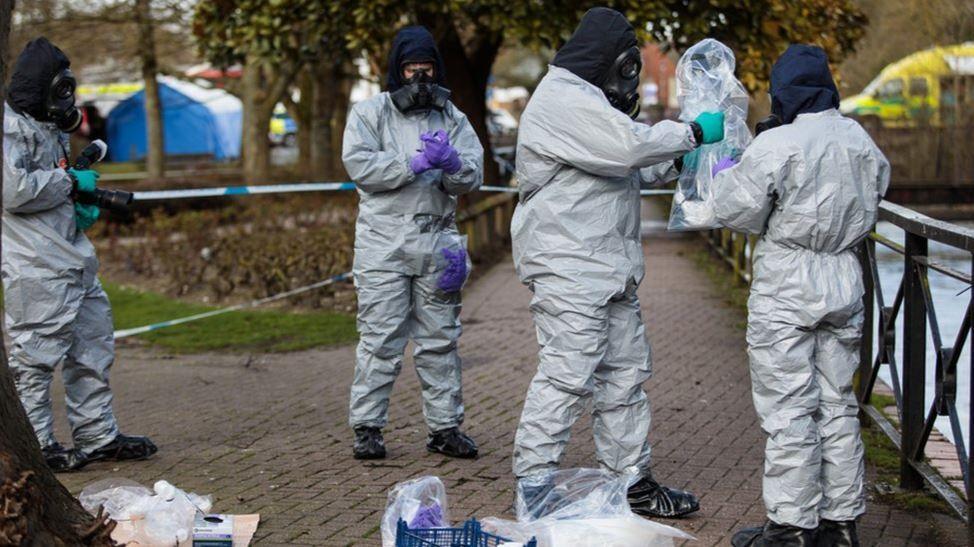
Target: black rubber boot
column 451, row 442
column 537, row 498
column 836, row 533
column 650, row 499
column 61, row 459
column 124, row 447
column 774, row 535
column 369, row 444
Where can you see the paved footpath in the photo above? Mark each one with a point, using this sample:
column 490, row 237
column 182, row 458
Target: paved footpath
column 268, row 433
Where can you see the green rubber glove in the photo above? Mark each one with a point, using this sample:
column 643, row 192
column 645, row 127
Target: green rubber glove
column 85, row 180
column 712, row 126
column 85, row 215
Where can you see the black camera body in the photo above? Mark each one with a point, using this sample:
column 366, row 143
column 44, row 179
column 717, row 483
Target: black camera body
column 770, row 122
column 117, row 201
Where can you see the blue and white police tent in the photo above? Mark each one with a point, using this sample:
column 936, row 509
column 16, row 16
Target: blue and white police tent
column 196, row 121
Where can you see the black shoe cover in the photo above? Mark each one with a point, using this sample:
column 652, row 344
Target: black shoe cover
column 836, row 533
column 537, row 498
column 451, row 442
column 61, row 459
column 774, row 535
column 649, row 499
column 124, row 447
column 369, row 444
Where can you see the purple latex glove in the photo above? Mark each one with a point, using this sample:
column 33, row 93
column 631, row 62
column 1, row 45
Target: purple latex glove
column 420, row 163
column 452, row 278
column 440, row 152
column 724, row 163
column 428, row 516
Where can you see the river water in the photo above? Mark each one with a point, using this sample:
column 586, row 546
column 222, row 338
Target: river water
column 950, row 298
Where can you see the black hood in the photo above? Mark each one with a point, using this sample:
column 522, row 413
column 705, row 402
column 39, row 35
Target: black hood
column 413, row 44
column 801, row 82
column 600, row 37
column 35, row 69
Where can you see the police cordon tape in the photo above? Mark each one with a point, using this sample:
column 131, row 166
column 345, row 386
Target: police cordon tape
column 237, row 307
column 161, row 195
column 230, row 191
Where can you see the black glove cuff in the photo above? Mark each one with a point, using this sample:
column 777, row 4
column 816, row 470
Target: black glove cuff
column 678, row 164
column 74, row 182
column 697, row 132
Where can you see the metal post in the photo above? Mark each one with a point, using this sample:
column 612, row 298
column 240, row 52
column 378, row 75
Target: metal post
column 866, row 253
column 969, row 487
column 914, row 360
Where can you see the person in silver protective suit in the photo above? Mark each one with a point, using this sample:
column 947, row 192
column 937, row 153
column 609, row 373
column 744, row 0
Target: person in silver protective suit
column 576, row 242
column 411, row 152
column 55, row 309
column 811, row 188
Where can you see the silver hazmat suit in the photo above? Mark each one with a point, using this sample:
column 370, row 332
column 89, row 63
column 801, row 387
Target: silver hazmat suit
column 576, row 242
column 55, row 309
column 811, row 188
column 404, row 222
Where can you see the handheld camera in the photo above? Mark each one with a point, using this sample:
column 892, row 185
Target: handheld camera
column 114, row 200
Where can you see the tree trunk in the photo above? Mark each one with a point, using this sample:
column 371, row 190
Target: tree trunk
column 155, row 158
column 300, row 112
column 332, row 84
column 35, row 509
column 263, row 86
column 467, row 72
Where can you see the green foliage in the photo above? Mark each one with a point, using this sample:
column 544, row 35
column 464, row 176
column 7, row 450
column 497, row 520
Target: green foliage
column 259, row 330
column 279, row 31
column 757, row 30
column 760, row 30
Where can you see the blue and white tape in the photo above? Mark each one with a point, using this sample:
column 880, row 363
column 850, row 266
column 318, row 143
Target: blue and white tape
column 160, row 195
column 124, row 333
column 229, row 191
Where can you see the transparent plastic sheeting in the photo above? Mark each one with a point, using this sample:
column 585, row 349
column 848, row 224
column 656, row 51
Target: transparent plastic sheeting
column 160, row 516
column 421, row 502
column 706, row 83
column 581, row 508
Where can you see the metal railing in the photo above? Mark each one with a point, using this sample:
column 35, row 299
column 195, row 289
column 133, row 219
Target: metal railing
column 487, row 222
column 913, row 306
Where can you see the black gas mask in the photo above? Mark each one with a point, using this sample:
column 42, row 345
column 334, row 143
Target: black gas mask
column 59, row 103
column 420, row 93
column 621, row 86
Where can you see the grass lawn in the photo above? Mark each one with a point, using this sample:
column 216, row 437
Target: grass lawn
column 243, row 331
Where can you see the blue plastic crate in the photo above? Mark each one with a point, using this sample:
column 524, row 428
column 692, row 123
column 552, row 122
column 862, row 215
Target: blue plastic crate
column 469, row 536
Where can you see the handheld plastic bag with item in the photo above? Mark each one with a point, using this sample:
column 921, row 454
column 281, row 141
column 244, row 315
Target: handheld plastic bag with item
column 421, row 502
column 161, row 516
column 706, row 83
column 452, row 262
column 581, row 508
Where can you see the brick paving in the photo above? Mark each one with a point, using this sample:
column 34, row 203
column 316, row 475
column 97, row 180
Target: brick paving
column 268, row 433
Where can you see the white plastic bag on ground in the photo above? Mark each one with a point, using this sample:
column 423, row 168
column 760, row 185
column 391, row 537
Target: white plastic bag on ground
column 420, row 502
column 581, row 508
column 163, row 516
column 706, row 83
